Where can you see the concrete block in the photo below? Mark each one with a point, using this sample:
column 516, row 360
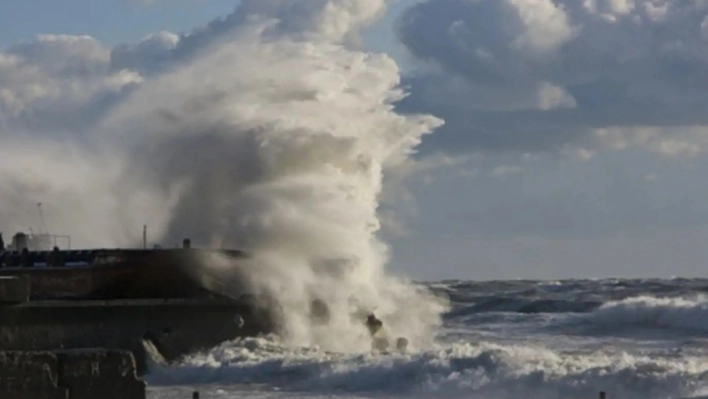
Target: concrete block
column 14, row 289
column 105, row 374
column 29, row 375
column 85, row 374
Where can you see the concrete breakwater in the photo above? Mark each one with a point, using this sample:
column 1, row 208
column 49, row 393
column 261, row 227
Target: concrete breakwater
column 173, row 327
column 87, row 330
column 14, row 289
column 73, row 374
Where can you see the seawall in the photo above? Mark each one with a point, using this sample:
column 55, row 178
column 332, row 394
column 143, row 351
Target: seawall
column 174, row 327
column 78, row 374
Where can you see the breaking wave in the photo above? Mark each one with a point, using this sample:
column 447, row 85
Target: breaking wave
column 690, row 314
column 507, row 304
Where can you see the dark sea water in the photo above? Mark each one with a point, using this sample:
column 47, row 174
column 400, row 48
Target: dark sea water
column 643, row 339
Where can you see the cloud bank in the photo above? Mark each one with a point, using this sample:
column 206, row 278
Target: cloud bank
column 543, row 75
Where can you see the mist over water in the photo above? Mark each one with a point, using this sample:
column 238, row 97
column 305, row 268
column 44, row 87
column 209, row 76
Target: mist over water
column 269, row 132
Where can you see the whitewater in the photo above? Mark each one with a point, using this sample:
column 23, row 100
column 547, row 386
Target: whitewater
column 500, row 340
column 273, row 130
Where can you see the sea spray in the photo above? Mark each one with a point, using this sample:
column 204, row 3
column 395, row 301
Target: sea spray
column 281, row 152
column 287, row 175
column 267, row 132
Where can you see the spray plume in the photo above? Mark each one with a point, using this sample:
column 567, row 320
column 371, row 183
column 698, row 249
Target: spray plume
column 274, row 138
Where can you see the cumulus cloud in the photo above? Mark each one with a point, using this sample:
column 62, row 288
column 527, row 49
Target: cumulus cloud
column 56, row 82
column 154, row 52
column 321, row 18
column 611, row 9
column 314, row 20
column 541, row 26
column 542, row 75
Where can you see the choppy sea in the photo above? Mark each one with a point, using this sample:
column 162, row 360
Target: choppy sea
column 643, row 339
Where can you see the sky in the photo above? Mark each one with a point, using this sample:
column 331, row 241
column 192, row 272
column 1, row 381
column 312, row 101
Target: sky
column 574, row 133
column 112, row 22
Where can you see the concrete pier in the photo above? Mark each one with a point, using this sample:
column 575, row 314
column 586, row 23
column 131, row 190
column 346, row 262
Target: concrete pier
column 57, row 307
column 175, row 327
column 78, row 374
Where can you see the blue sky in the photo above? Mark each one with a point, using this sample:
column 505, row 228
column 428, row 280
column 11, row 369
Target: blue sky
column 575, row 134
column 125, row 21
column 111, row 21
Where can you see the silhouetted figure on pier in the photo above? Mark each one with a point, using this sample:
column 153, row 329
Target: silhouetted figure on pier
column 55, row 258
column 25, row 258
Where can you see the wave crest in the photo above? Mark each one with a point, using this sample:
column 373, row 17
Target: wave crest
column 652, row 312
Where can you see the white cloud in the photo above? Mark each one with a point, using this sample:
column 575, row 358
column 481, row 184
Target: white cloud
column 704, row 28
column 682, row 143
column 152, row 52
column 318, row 18
column 545, row 26
column 505, row 170
column 610, row 9
column 603, row 64
column 64, row 54
column 677, row 148
column 54, row 75
column 553, row 97
column 656, row 10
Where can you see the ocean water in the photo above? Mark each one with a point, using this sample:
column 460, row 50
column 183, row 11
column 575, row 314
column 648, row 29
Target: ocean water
column 643, row 339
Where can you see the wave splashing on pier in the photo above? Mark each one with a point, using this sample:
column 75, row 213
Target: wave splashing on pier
column 267, row 131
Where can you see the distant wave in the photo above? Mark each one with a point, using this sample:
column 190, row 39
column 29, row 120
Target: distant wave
column 528, row 306
column 476, row 371
column 647, row 311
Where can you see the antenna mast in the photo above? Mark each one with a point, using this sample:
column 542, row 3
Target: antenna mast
column 41, row 216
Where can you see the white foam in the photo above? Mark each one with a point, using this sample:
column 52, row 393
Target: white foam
column 482, row 370
column 679, row 313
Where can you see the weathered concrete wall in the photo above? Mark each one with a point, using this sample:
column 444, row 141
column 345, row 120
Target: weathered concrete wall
column 26, row 375
column 15, row 289
column 113, row 274
column 87, row 374
column 176, row 327
column 104, row 374
column 68, row 282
